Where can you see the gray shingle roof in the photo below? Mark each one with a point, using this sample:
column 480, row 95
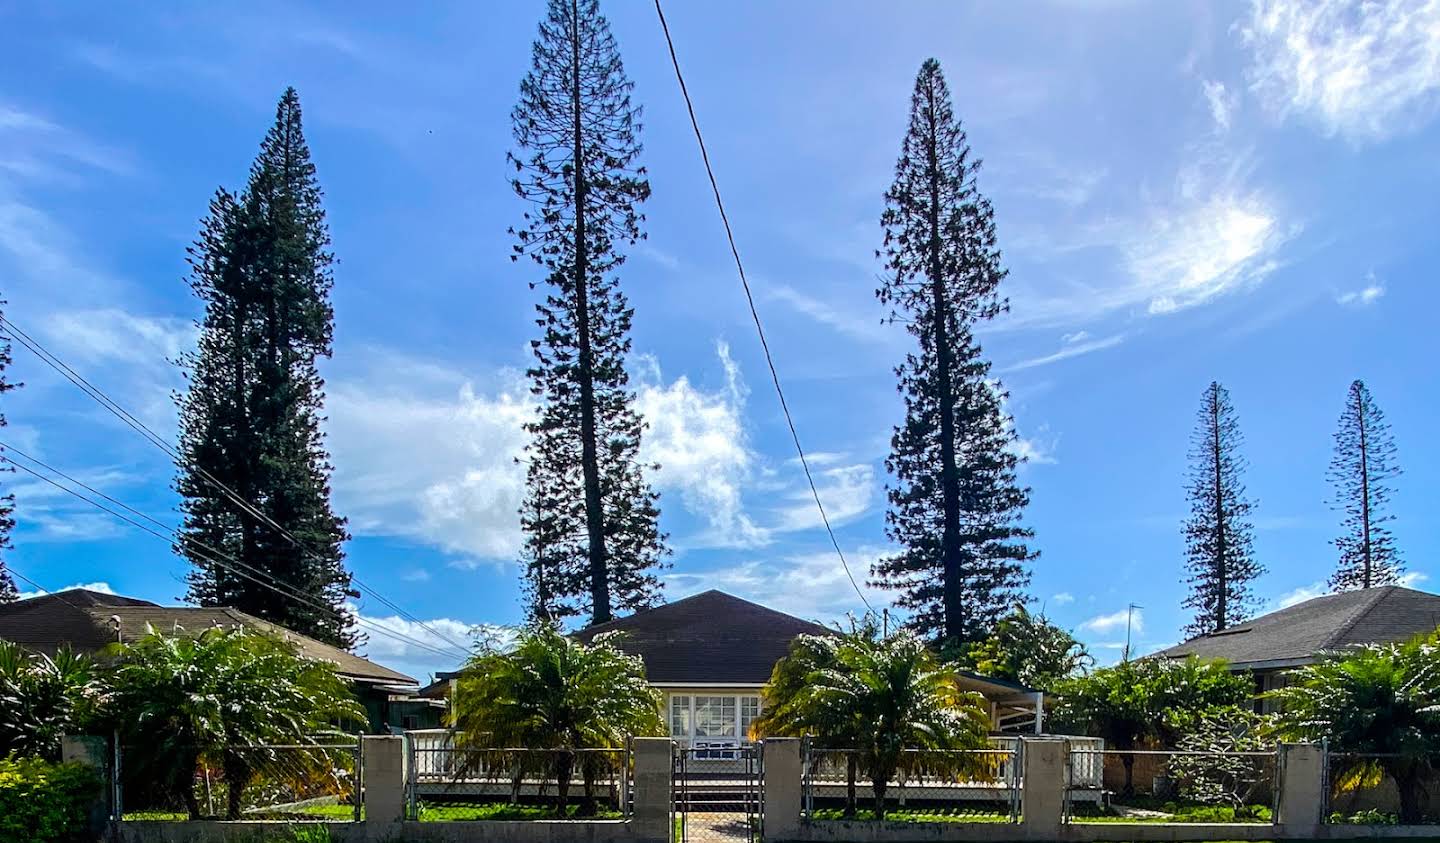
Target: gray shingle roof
column 711, row 637
column 1331, row 622
column 86, row 621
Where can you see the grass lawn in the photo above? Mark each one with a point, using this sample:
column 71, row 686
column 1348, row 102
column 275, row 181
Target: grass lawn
column 460, row 811
column 920, row 815
column 321, row 813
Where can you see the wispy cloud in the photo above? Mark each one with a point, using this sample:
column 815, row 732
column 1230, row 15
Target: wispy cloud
column 808, row 585
column 1221, row 102
column 1102, row 624
column 1076, row 347
column 1064, row 598
column 1362, row 70
column 1365, row 296
column 866, row 326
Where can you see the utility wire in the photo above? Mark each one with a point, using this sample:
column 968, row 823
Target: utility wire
column 35, row 347
column 219, row 559
column 755, row 314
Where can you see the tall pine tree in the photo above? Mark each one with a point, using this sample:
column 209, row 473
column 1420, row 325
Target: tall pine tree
column 8, row 592
column 1361, row 471
column 591, row 518
column 250, row 416
column 1218, row 551
column 955, row 506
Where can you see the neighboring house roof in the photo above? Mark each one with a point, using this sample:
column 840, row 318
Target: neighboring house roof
column 1296, row 634
column 711, row 638
column 89, row 621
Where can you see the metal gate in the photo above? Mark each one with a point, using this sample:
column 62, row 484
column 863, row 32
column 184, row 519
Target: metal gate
column 719, row 794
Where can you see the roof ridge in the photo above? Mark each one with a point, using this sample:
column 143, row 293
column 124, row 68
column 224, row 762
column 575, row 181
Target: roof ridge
column 1382, row 592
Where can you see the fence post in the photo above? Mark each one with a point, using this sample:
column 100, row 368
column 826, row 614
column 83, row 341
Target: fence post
column 383, row 771
column 1302, row 789
column 654, row 789
column 91, row 752
column 1043, row 788
column 782, row 770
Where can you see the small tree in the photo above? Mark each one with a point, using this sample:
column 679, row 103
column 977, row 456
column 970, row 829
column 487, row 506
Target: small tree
column 1379, row 707
column 1148, row 700
column 180, row 702
column 1029, row 649
column 552, row 692
column 885, row 694
column 42, row 698
column 1221, row 775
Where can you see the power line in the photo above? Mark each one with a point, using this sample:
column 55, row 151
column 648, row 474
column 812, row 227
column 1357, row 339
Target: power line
column 219, row 558
column 98, row 395
column 755, row 314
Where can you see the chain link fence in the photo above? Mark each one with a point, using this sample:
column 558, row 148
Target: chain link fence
column 974, row 785
column 318, row 782
column 1381, row 789
column 1164, row 785
column 448, row 781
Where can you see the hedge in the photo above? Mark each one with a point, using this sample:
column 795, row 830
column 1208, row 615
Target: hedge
column 45, row 802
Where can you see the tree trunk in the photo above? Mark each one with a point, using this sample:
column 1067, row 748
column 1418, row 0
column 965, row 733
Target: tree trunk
column 1222, row 561
column 1410, row 784
column 588, row 808
column 589, row 457
column 879, row 784
column 851, row 773
column 237, row 775
column 564, row 766
column 953, row 596
column 1128, row 762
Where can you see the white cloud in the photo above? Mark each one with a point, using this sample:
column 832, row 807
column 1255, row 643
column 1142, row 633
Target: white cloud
column 1411, row 579
column 1365, row 296
column 845, row 490
column 698, row 439
column 1299, row 595
column 421, row 452
column 413, row 659
column 1222, row 103
column 1359, row 69
column 1062, row 599
column 102, row 587
column 1072, row 348
column 1204, row 250
column 1102, row 624
column 866, row 326
column 811, row 585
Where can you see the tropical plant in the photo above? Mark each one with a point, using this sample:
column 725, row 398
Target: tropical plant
column 1149, row 700
column 1220, row 772
column 41, row 802
column 43, row 697
column 217, row 700
column 1378, row 706
column 882, row 695
column 1029, row 649
column 557, row 695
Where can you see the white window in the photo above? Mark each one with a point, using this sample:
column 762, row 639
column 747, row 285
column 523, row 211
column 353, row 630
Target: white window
column 712, row 716
column 680, row 719
column 749, row 710
column 715, row 717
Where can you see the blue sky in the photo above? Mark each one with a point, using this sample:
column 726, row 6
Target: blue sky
column 1184, row 192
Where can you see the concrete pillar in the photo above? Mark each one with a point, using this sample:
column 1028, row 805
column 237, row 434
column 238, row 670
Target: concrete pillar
column 1302, row 789
column 654, row 789
column 1042, row 796
column 383, row 758
column 94, row 753
column 782, row 767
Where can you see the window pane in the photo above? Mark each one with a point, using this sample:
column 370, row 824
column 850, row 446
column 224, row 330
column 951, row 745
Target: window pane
column 680, row 717
column 714, row 717
column 749, row 710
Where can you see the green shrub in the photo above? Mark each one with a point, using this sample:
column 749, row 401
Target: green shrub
column 1369, row 816
column 44, row 802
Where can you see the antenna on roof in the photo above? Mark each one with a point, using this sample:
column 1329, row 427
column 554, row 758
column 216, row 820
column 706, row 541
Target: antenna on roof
column 1129, row 617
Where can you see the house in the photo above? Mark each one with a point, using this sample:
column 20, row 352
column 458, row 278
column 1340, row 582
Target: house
column 88, row 621
column 712, row 654
column 1271, row 645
